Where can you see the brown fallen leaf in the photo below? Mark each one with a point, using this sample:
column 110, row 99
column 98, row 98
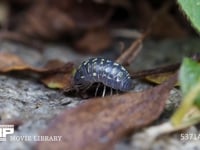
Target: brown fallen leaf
column 53, row 19
column 94, row 41
column 58, row 81
column 146, row 12
column 58, row 66
column 101, row 122
column 44, row 20
column 55, row 74
column 11, row 62
column 60, row 78
column 159, row 78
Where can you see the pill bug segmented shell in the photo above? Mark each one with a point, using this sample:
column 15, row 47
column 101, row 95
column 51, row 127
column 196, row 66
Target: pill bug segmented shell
column 105, row 71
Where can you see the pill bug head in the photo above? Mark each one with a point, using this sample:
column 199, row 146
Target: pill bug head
column 79, row 76
column 127, row 85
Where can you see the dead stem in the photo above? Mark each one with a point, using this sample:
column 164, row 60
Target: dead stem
column 131, row 53
column 169, row 68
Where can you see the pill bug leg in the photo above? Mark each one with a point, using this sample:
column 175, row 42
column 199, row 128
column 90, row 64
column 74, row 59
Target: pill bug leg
column 111, row 91
column 78, row 87
column 104, row 91
column 117, row 92
column 86, row 87
column 97, row 88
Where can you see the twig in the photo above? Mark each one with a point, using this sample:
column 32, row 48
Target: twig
column 125, row 33
column 131, row 53
column 169, row 68
column 164, row 69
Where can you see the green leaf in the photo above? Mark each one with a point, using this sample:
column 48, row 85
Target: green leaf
column 192, row 10
column 189, row 76
column 189, row 111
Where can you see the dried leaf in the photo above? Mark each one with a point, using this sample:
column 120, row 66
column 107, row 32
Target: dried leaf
column 89, row 15
column 60, row 81
column 176, row 30
column 163, row 17
column 101, row 122
column 11, row 62
column 53, row 19
column 61, row 77
column 94, row 41
column 56, row 74
column 159, row 78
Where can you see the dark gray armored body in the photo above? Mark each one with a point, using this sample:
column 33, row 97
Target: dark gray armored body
column 105, row 71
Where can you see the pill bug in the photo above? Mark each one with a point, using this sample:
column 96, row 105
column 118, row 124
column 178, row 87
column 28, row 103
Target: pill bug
column 100, row 70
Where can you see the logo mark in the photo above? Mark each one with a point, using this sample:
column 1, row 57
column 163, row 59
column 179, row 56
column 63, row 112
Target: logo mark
column 5, row 130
